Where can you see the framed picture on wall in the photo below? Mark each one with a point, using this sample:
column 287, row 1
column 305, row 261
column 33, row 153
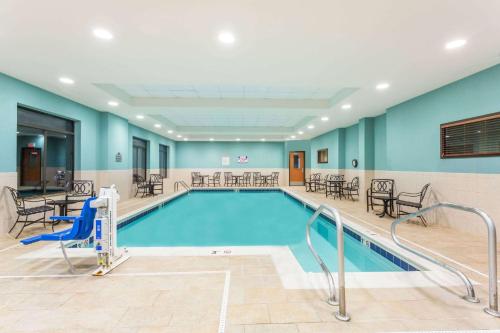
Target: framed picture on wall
column 323, row 155
column 242, row 159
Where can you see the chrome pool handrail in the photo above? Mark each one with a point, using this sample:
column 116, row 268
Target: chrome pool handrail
column 342, row 313
column 492, row 253
column 183, row 183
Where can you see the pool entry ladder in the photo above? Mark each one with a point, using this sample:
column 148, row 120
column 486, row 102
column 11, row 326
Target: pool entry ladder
column 492, row 309
column 332, row 298
column 183, row 184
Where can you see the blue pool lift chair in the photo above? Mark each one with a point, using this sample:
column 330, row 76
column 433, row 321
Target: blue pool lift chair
column 81, row 229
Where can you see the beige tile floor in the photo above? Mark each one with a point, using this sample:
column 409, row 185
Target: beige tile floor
column 123, row 302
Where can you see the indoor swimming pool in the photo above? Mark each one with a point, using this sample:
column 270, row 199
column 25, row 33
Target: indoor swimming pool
column 252, row 218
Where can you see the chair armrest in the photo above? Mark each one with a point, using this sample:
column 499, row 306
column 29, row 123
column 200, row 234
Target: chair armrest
column 63, row 218
column 407, row 194
column 34, row 200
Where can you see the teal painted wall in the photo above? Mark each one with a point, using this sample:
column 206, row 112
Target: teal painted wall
column 380, row 143
column 98, row 135
column 413, row 127
column 209, row 154
column 334, row 141
column 153, row 140
column 351, row 145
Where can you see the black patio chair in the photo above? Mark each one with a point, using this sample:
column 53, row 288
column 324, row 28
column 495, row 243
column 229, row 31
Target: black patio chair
column 275, row 178
column 142, row 186
column 215, row 179
column 413, row 201
column 379, row 188
column 78, row 191
column 196, row 179
column 229, row 180
column 156, row 182
column 322, row 183
column 352, row 188
column 257, row 179
column 312, row 181
column 41, row 206
column 247, row 178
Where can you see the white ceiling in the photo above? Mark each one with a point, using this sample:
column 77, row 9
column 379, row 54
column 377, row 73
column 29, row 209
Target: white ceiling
column 293, row 61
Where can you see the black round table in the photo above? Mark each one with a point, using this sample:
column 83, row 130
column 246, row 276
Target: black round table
column 387, row 204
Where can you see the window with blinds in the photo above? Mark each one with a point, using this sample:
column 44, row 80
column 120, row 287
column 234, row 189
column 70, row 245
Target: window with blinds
column 472, row 137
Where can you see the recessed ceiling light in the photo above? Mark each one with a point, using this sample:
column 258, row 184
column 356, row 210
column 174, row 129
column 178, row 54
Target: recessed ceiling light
column 382, row 86
column 226, row 37
column 300, row 132
column 293, row 136
column 310, row 126
column 263, row 139
column 66, row 80
column 238, row 139
column 455, row 44
column 139, row 116
column 324, row 118
column 103, row 34
column 113, row 103
column 158, row 125
column 346, row 106
column 185, row 139
column 211, row 139
column 170, row 131
column 17, row 132
column 179, row 136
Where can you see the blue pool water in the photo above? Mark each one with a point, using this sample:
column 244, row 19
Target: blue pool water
column 245, row 218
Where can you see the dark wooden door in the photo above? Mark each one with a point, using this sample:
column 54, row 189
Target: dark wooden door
column 31, row 166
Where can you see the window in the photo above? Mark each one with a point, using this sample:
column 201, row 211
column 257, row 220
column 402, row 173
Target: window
column 45, row 152
column 163, row 157
column 323, row 156
column 474, row 137
column 139, row 158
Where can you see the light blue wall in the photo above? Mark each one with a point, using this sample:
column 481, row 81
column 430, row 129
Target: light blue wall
column 380, row 143
column 209, row 154
column 334, row 141
column 98, row 135
column 351, row 145
column 153, row 140
column 413, row 127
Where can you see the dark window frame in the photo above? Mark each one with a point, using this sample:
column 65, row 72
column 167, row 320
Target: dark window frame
column 445, row 146
column 165, row 150
column 318, row 157
column 145, row 147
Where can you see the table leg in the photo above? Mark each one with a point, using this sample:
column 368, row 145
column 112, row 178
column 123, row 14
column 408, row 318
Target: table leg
column 382, row 214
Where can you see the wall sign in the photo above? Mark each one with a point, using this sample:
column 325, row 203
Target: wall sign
column 225, row 160
column 118, row 157
column 355, row 163
column 242, row 159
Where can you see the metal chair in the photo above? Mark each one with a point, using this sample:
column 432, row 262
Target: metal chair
column 379, row 188
column 79, row 191
column 275, row 178
column 229, row 180
column 257, row 179
column 412, row 200
column 23, row 211
column 312, row 181
column 156, row 182
column 352, row 188
column 215, row 179
column 142, row 186
column 247, row 178
column 196, row 179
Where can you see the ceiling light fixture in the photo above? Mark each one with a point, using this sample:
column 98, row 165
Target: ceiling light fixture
column 113, row 103
column 170, row 131
column 300, row 132
column 382, row 86
column 179, row 136
column 185, row 139
column 324, row 118
column 263, row 139
column 346, row 106
column 103, row 34
column 211, row 139
column 310, row 126
column 238, row 139
column 139, row 116
column 455, row 44
column 66, row 80
column 226, row 37
column 293, row 136
column 158, row 125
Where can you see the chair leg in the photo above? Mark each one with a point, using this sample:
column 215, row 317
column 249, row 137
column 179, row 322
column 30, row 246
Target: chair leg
column 424, row 221
column 13, row 226
column 24, row 225
column 71, row 267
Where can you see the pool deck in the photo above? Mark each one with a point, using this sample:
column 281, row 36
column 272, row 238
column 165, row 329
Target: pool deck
column 235, row 292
